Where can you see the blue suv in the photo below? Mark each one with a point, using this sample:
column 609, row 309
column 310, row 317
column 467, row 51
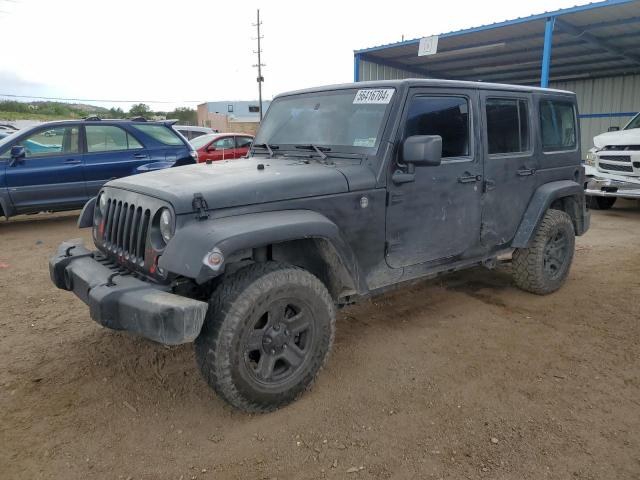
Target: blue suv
column 60, row 165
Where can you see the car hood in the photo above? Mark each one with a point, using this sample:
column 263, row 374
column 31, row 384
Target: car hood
column 621, row 137
column 237, row 182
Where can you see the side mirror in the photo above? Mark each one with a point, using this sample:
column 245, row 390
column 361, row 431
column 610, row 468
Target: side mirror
column 422, row 150
column 613, row 129
column 18, row 152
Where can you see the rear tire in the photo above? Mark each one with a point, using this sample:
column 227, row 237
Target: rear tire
column 543, row 267
column 267, row 334
column 600, row 203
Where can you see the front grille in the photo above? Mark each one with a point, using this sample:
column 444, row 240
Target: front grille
column 622, row 148
column 616, row 158
column 616, row 168
column 125, row 230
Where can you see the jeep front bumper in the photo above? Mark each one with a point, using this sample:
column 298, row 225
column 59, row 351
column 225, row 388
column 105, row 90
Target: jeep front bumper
column 123, row 302
column 601, row 184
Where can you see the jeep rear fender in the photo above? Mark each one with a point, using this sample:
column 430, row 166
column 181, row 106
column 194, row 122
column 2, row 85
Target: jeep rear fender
column 186, row 251
column 543, row 198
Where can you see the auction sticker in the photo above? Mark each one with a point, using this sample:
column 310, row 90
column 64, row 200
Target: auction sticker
column 374, row 95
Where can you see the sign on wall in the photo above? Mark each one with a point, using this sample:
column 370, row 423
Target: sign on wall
column 428, row 46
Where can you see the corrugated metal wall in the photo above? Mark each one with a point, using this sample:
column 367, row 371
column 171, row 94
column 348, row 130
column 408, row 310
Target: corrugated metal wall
column 373, row 71
column 601, row 101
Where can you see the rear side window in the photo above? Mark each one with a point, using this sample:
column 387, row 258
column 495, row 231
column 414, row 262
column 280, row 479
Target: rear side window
column 444, row 116
column 107, row 138
column 243, row 142
column 160, row 133
column 558, row 125
column 507, row 125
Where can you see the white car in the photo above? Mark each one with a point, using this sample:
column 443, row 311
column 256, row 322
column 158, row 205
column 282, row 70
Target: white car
column 190, row 132
column 613, row 166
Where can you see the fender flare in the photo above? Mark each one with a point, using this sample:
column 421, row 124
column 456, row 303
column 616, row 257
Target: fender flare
column 185, row 253
column 541, row 200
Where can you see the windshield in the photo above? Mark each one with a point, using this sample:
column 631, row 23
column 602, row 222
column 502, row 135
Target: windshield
column 634, row 123
column 348, row 120
column 5, row 140
column 201, row 141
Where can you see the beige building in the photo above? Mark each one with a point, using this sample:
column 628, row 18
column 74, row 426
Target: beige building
column 231, row 116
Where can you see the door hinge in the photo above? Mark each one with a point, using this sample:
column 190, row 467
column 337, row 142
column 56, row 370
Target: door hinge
column 391, row 245
column 394, row 198
column 200, row 206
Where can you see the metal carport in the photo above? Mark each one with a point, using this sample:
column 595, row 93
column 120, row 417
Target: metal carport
column 591, row 49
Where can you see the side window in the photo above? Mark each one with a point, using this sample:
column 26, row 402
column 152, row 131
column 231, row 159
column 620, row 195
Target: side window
column 195, row 134
column 54, row 141
column 558, row 125
column 161, row 133
column 243, row 142
column 225, row 143
column 507, row 125
column 107, row 138
column 444, row 116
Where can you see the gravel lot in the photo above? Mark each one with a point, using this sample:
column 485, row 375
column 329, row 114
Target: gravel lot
column 462, row 377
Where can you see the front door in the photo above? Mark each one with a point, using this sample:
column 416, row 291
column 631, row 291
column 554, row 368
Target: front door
column 51, row 174
column 221, row 149
column 510, row 165
column 437, row 215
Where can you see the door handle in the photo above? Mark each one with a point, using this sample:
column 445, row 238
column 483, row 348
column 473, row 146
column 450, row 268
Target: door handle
column 469, row 178
column 526, row 171
column 140, row 155
column 72, row 161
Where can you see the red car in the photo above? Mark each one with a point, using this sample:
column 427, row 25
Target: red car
column 221, row 146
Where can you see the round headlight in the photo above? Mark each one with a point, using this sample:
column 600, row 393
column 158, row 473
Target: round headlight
column 166, row 225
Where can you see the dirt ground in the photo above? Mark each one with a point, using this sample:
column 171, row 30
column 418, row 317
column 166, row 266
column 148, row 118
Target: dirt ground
column 462, row 377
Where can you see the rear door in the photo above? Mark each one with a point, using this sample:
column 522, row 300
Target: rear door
column 111, row 152
column 510, row 166
column 51, row 174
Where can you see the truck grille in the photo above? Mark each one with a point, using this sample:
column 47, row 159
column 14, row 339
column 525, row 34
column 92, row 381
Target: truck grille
column 616, row 158
column 125, row 230
column 622, row 148
column 616, row 168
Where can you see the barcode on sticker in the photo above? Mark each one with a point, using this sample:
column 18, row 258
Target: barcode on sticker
column 374, row 95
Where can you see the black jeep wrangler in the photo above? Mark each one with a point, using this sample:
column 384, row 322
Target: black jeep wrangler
column 347, row 191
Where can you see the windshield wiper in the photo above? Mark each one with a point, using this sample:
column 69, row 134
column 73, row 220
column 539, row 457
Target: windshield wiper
column 269, row 147
column 319, row 150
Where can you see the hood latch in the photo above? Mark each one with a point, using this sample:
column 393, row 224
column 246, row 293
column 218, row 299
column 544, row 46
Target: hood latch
column 200, row 206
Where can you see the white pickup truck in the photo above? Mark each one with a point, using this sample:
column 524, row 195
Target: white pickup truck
column 612, row 167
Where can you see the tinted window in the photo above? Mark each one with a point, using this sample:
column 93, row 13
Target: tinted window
column 557, row 121
column 224, row 143
column 160, row 133
column 444, row 116
column 53, row 141
column 243, row 142
column 507, row 125
column 254, row 108
column 107, row 138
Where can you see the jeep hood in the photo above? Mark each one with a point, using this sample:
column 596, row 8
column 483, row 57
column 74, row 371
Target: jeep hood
column 237, row 182
column 621, row 137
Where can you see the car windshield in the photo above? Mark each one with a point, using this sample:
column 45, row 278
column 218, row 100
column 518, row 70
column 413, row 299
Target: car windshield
column 634, row 123
column 5, row 140
column 348, row 120
column 201, row 141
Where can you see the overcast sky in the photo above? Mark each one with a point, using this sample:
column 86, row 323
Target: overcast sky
column 202, row 50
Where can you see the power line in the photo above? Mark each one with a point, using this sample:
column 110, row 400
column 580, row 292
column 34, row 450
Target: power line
column 97, row 100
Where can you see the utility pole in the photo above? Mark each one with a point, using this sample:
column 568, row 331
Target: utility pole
column 260, row 78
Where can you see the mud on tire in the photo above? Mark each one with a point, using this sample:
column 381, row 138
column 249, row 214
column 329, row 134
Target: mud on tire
column 543, row 267
column 267, row 334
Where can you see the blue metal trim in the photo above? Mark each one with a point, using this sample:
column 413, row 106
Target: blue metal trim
column 546, row 51
column 607, row 115
column 356, row 67
column 531, row 18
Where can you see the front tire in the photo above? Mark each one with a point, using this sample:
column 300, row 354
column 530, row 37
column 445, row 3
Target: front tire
column 267, row 334
column 600, row 203
column 543, row 267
